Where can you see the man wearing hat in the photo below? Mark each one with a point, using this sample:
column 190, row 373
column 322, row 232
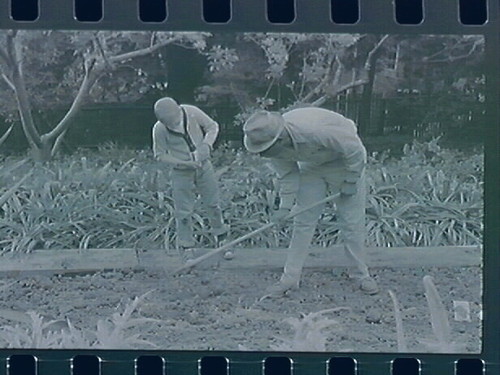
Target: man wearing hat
column 183, row 137
column 313, row 150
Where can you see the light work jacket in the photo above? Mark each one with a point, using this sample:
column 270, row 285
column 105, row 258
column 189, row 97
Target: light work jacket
column 200, row 128
column 319, row 137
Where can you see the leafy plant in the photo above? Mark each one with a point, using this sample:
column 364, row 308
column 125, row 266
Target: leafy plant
column 309, row 332
column 402, row 345
column 439, row 321
column 37, row 335
column 110, row 333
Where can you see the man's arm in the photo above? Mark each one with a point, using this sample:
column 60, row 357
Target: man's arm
column 354, row 164
column 356, row 161
column 209, row 127
column 160, row 148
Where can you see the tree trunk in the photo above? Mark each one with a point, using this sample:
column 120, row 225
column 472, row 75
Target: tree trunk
column 44, row 146
column 42, row 153
column 365, row 113
column 382, row 117
column 365, row 110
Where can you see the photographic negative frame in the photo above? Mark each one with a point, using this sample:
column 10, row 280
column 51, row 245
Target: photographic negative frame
column 438, row 78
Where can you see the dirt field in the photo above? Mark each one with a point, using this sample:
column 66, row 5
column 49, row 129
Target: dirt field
column 215, row 308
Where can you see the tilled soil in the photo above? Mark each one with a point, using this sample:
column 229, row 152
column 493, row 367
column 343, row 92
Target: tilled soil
column 218, row 309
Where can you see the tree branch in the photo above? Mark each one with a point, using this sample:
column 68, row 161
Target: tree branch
column 372, row 54
column 322, row 99
column 338, row 71
column 152, row 39
column 445, row 49
column 452, row 58
column 100, row 47
column 359, row 82
column 4, row 57
column 57, row 143
column 319, row 86
column 142, row 52
column 90, row 78
column 6, row 134
column 9, row 82
column 21, row 93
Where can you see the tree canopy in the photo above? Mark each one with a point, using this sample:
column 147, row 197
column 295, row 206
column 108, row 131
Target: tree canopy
column 435, row 75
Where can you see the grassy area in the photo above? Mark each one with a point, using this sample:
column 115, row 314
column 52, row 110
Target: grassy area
column 116, row 197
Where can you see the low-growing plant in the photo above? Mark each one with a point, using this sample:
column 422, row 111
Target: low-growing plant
column 37, row 335
column 110, row 333
column 309, row 332
column 442, row 342
column 113, row 332
column 439, row 321
column 400, row 333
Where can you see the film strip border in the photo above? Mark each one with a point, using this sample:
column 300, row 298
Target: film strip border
column 452, row 16
column 398, row 16
column 183, row 363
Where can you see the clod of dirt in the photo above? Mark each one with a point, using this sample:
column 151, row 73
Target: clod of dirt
column 373, row 318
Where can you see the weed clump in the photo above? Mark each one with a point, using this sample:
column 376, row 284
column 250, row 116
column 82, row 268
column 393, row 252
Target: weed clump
column 309, row 332
column 110, row 333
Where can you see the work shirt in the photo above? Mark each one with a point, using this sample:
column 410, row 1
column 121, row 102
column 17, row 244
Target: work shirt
column 200, row 129
column 319, row 137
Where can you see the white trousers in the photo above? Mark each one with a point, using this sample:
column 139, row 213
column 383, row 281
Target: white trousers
column 185, row 184
column 315, row 182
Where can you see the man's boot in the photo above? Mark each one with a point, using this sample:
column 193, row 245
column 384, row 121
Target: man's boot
column 187, row 254
column 368, row 285
column 287, row 283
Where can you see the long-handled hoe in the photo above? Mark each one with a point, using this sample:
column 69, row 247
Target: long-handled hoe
column 192, row 263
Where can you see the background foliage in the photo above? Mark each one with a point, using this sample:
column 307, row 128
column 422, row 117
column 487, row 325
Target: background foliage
column 401, row 86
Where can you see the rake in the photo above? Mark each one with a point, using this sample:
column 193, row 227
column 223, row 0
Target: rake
column 190, row 264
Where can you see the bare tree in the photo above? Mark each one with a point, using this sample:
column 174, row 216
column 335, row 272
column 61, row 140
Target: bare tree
column 95, row 54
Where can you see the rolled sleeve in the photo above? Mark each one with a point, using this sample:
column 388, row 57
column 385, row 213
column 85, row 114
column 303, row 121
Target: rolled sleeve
column 209, row 127
column 355, row 162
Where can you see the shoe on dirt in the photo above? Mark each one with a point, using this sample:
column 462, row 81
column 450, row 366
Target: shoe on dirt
column 187, row 254
column 285, row 285
column 368, row 285
column 221, row 232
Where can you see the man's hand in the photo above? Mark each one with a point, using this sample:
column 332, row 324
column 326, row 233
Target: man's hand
column 190, row 164
column 348, row 188
column 280, row 214
column 202, row 152
column 175, row 162
column 351, row 177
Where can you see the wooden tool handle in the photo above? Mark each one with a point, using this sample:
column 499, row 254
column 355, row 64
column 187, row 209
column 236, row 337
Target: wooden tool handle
column 194, row 262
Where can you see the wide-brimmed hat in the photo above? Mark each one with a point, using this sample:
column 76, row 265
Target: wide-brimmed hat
column 262, row 130
column 169, row 112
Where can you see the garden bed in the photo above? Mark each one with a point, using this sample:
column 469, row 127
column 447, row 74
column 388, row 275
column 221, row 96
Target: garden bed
column 424, row 217
column 216, row 308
